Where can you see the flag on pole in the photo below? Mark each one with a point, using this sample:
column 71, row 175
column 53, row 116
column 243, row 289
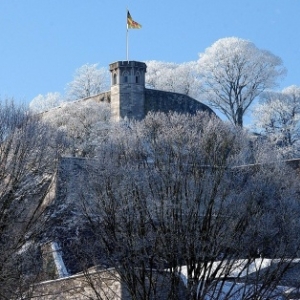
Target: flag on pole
column 131, row 24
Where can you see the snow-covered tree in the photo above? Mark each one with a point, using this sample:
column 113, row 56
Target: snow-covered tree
column 172, row 77
column 234, row 72
column 165, row 197
column 88, row 80
column 85, row 123
column 42, row 103
column 277, row 116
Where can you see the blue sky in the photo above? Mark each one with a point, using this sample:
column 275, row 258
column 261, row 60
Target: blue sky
column 43, row 42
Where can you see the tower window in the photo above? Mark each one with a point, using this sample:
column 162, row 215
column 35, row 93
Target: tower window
column 137, row 77
column 115, row 79
column 125, row 77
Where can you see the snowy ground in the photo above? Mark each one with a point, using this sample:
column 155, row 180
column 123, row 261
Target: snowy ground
column 238, row 291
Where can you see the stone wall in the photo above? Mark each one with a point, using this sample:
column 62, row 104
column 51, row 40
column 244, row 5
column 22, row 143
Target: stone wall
column 162, row 101
column 103, row 284
column 127, row 100
column 102, row 97
column 79, row 287
column 156, row 101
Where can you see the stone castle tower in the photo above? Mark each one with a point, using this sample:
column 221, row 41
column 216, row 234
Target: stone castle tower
column 127, row 97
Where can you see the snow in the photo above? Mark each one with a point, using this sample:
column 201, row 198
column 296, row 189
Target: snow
column 59, row 263
column 240, row 268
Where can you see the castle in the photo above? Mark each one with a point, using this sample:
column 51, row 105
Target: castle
column 62, row 270
column 75, row 182
column 129, row 98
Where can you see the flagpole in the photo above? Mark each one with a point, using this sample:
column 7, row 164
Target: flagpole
column 130, row 24
column 127, row 35
column 127, row 44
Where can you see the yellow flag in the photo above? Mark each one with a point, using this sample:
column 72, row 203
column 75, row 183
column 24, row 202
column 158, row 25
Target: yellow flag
column 132, row 24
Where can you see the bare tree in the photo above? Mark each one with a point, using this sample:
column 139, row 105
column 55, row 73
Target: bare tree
column 28, row 152
column 165, row 197
column 234, row 73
